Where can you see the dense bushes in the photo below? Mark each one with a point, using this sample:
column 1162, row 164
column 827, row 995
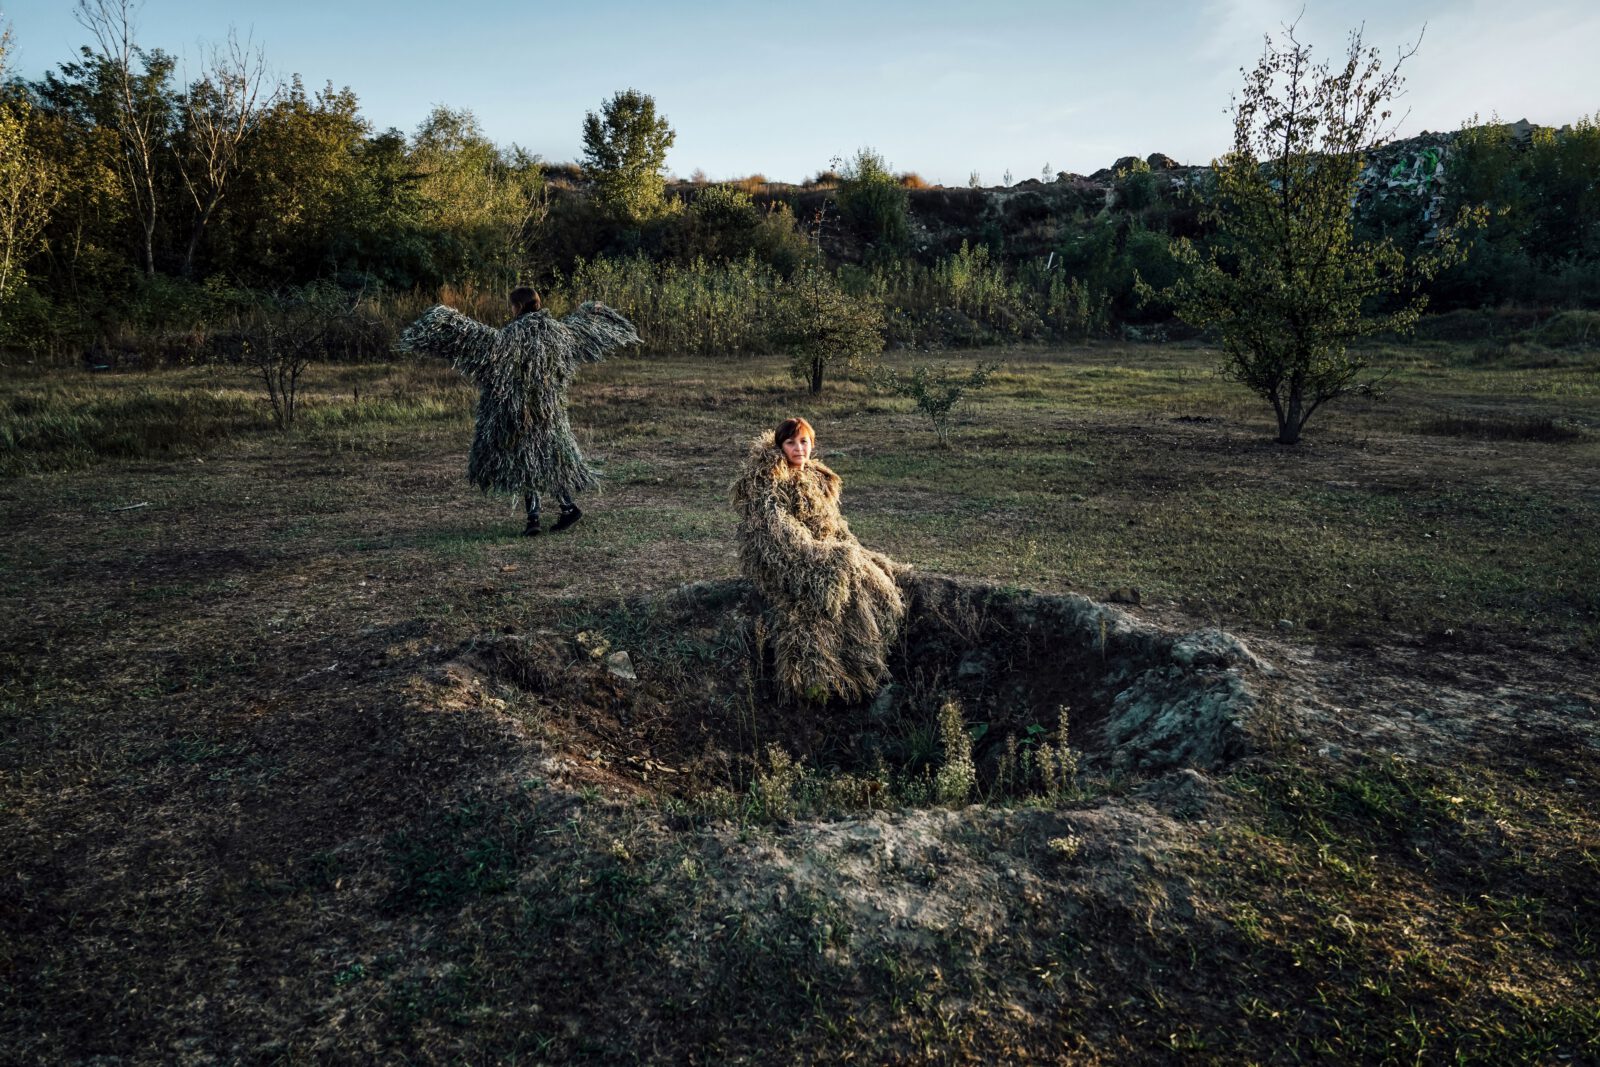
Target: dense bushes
column 314, row 194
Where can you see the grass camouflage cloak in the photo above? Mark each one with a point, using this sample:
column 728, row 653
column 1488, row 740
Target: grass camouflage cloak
column 836, row 605
column 523, row 440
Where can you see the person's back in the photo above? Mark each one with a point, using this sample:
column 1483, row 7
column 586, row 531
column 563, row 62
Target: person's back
column 523, row 442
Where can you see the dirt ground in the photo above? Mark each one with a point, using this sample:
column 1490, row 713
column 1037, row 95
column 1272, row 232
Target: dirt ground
column 307, row 757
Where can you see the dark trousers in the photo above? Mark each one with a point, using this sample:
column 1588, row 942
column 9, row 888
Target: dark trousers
column 530, row 500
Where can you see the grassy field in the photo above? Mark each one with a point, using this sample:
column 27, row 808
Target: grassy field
column 260, row 801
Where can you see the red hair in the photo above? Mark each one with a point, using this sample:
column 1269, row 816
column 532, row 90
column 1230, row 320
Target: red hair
column 789, row 428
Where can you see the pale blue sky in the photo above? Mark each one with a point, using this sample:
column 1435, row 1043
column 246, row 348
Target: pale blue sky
column 937, row 87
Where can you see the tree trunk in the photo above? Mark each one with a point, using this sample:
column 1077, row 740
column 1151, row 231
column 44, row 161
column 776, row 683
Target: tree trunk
column 816, row 376
column 196, row 232
column 149, row 224
column 1291, row 418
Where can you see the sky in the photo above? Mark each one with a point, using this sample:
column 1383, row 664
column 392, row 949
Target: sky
column 940, row 88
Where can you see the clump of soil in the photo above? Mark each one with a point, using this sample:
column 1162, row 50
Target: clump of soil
column 701, row 709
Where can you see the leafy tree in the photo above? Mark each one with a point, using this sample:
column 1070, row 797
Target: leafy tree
column 1287, row 286
column 28, row 188
column 480, row 202
column 874, row 201
column 298, row 199
column 1541, row 243
column 624, row 152
column 818, row 323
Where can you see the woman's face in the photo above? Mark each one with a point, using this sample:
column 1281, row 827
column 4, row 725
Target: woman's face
column 797, row 450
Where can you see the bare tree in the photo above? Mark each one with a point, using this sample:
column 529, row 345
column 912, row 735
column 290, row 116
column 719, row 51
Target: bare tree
column 141, row 106
column 220, row 110
column 283, row 333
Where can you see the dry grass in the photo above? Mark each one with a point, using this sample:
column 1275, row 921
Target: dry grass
column 257, row 806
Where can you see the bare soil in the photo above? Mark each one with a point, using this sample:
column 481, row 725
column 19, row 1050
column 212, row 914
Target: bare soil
column 307, row 762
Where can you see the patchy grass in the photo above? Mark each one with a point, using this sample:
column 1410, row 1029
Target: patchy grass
column 256, row 806
column 1525, row 429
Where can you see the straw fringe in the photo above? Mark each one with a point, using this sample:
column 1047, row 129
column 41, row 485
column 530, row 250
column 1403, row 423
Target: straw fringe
column 523, row 440
column 837, row 607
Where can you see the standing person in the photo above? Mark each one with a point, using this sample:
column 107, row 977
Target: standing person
column 837, row 606
column 523, row 443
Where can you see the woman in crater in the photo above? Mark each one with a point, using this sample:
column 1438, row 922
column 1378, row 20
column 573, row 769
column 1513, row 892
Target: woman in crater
column 836, row 606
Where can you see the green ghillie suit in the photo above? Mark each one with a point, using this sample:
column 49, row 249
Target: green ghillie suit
column 835, row 604
column 523, row 442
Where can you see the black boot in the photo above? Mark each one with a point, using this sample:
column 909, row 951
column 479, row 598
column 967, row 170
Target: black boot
column 532, row 529
column 569, row 515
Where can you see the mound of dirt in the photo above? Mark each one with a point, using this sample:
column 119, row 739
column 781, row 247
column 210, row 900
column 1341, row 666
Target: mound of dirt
column 690, row 706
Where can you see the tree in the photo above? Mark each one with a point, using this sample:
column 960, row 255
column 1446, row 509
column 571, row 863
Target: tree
column 140, row 106
column 300, row 208
column 818, row 323
column 624, row 152
column 27, row 186
column 874, row 201
column 1287, row 286
column 218, row 113
column 481, row 203
column 282, row 333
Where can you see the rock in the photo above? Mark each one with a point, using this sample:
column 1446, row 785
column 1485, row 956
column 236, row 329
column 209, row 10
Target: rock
column 1285, row 625
column 1126, row 163
column 1179, row 718
column 1161, row 161
column 1185, row 792
column 1215, row 648
column 1126, row 594
column 620, row 665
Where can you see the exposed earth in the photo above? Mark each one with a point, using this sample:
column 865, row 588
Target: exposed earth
column 309, row 758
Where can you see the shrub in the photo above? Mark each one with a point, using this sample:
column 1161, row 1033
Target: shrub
column 282, row 333
column 818, row 323
column 1570, row 329
column 957, row 777
column 937, row 390
column 874, row 202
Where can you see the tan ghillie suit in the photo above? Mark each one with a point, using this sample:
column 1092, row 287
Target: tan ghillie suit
column 523, row 442
column 836, row 605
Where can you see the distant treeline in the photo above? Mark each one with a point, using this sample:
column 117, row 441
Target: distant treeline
column 140, row 214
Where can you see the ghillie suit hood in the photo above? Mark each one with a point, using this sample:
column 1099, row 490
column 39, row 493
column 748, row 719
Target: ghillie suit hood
column 835, row 604
column 523, row 440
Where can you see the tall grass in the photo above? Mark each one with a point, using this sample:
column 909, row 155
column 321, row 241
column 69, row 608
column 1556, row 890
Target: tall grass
column 969, row 298
column 61, row 428
column 702, row 307
column 724, row 308
column 696, row 309
column 51, row 425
